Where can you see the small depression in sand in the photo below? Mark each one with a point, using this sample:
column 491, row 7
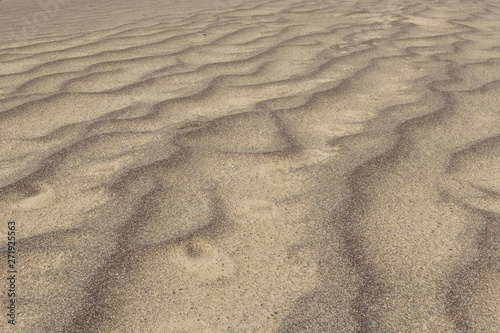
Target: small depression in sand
column 199, row 258
column 275, row 174
column 43, row 197
column 255, row 207
column 335, row 130
column 105, row 168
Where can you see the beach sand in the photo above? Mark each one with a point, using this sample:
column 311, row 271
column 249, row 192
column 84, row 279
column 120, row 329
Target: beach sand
column 250, row 166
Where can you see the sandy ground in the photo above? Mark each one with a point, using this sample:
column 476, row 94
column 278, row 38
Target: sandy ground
column 251, row 166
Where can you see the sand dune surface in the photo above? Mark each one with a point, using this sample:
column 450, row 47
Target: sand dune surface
column 251, row 166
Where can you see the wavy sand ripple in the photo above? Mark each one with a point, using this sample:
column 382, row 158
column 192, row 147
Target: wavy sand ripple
column 253, row 166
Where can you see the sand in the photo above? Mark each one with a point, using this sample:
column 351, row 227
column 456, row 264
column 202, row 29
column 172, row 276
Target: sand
column 251, row 166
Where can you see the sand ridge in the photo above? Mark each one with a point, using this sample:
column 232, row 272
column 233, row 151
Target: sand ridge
column 253, row 166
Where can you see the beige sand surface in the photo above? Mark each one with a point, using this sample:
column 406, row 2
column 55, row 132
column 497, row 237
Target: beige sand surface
column 251, row 166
